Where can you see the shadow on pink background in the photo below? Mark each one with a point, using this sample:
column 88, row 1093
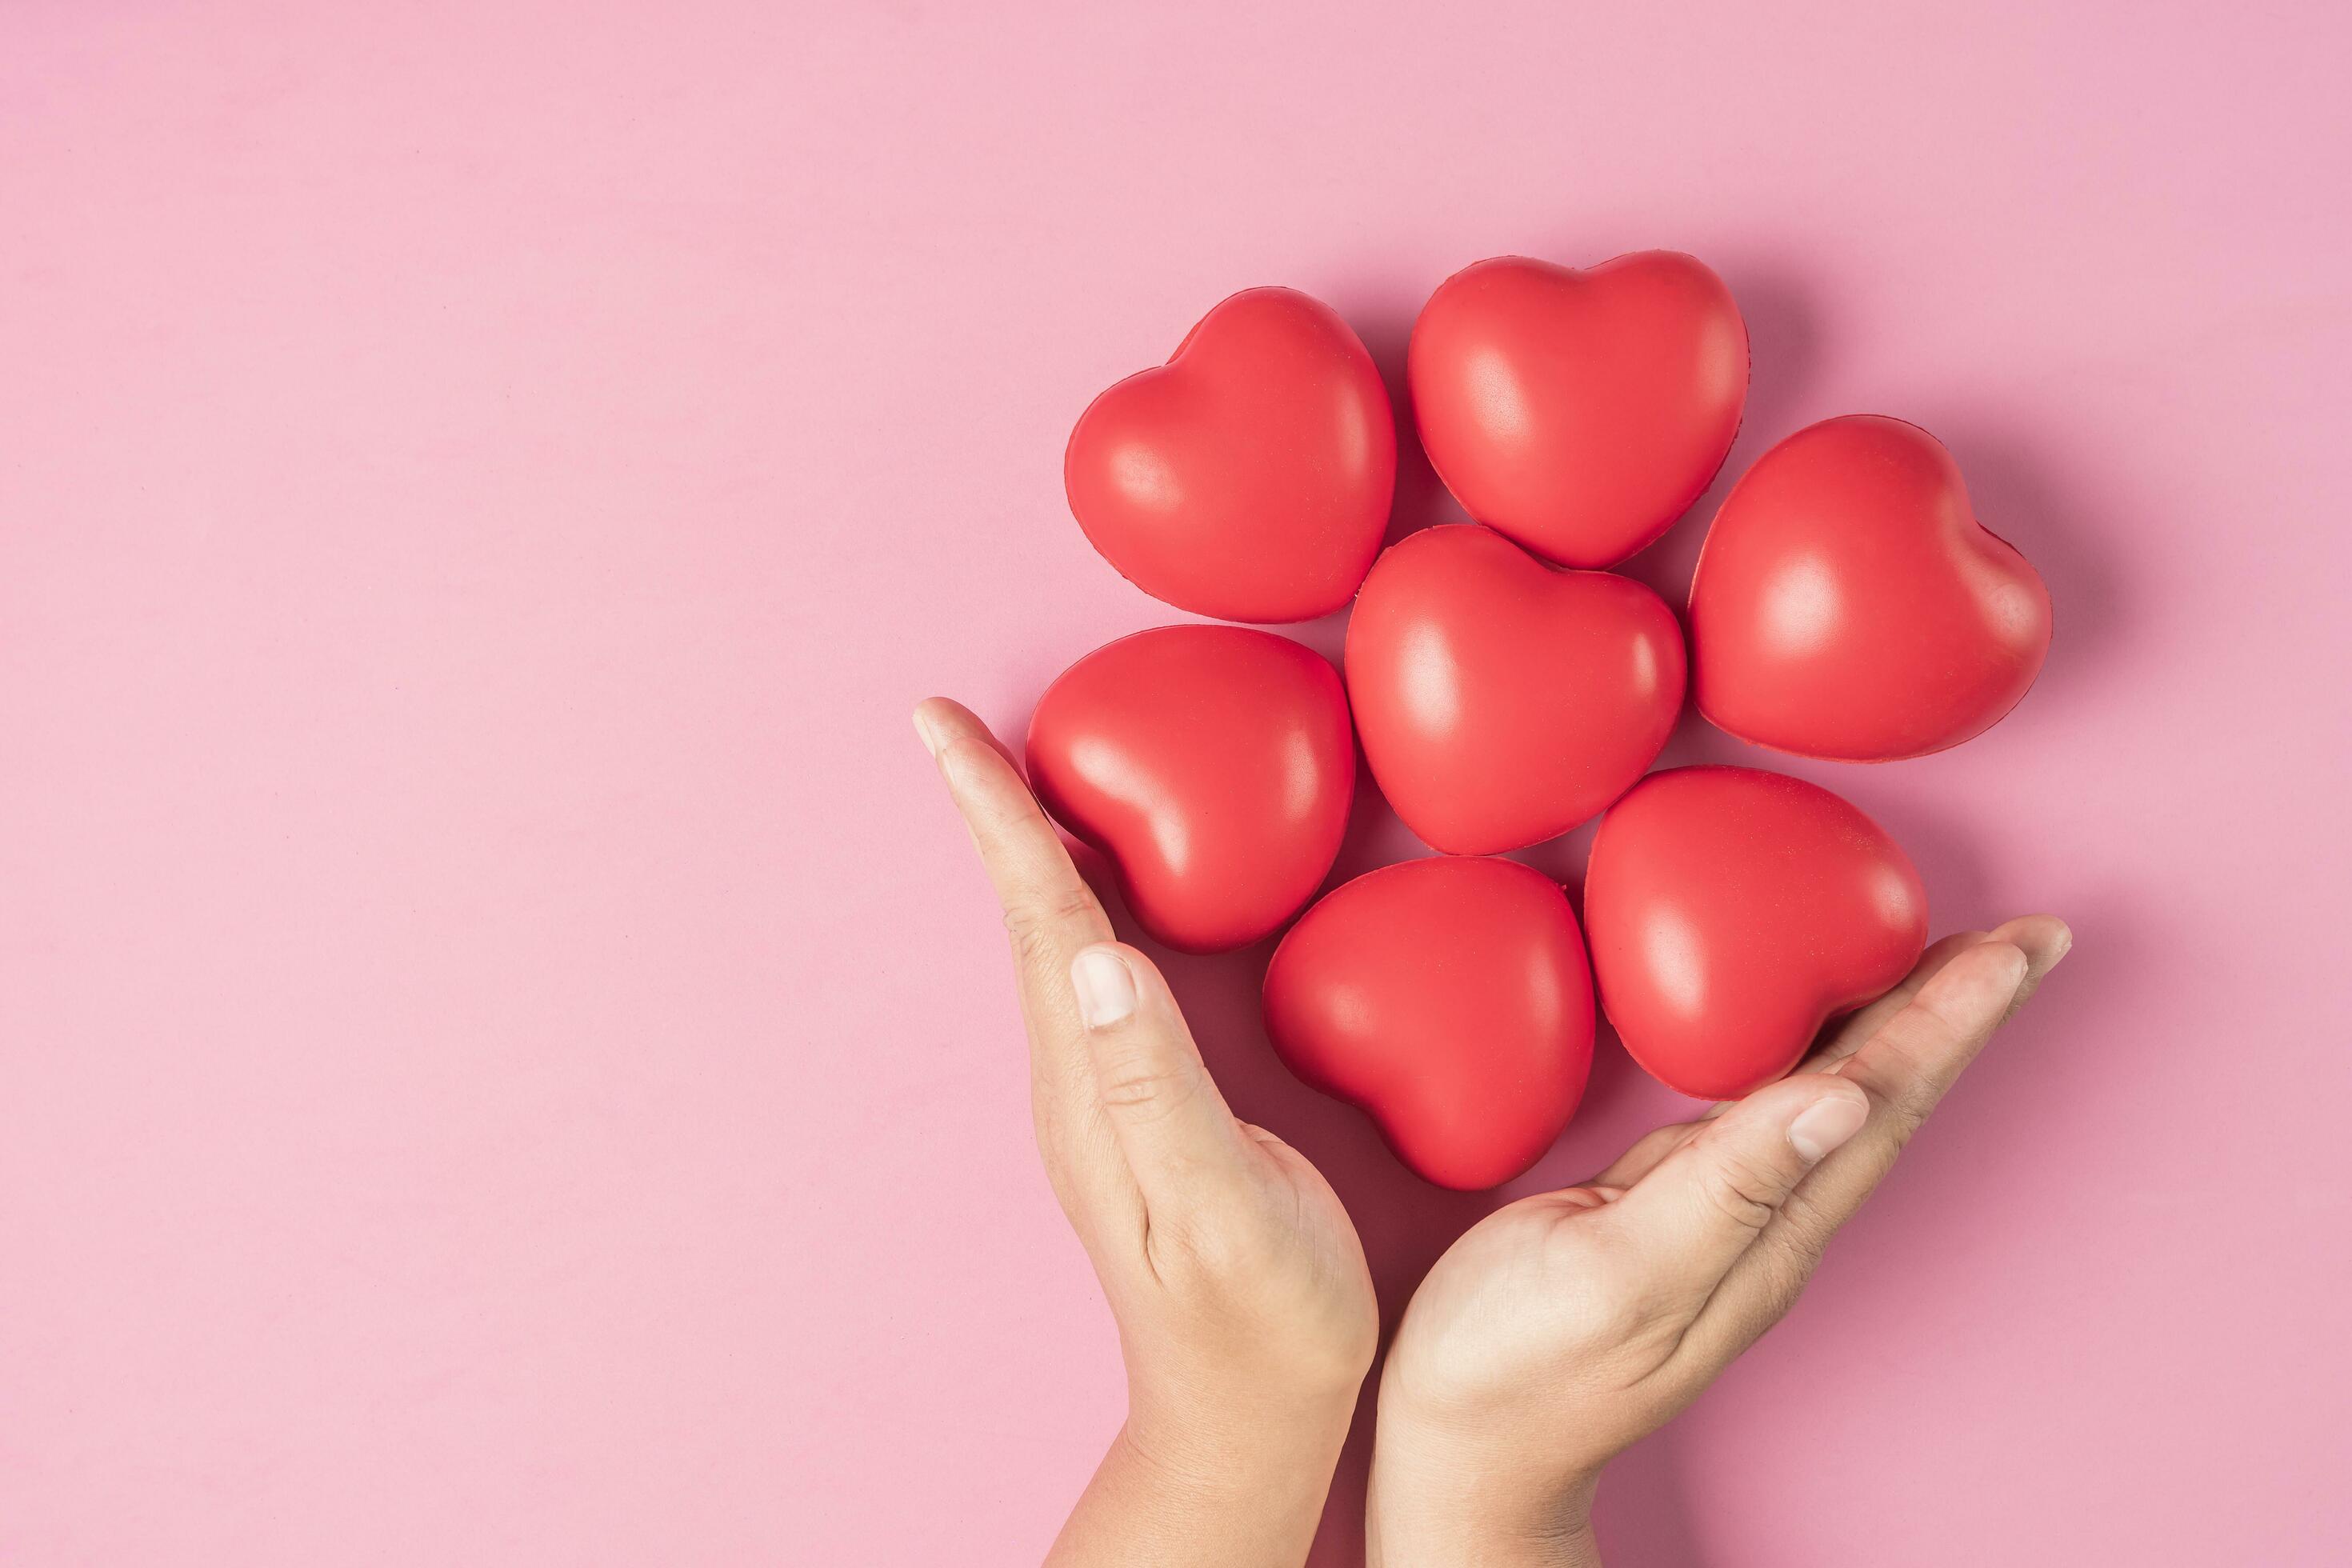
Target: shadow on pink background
column 504, row 1056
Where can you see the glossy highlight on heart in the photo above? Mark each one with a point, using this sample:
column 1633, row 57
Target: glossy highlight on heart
column 1848, row 605
column 1450, row 999
column 1732, row 913
column 1213, row 766
column 1248, row 478
column 1579, row 413
column 1501, row 701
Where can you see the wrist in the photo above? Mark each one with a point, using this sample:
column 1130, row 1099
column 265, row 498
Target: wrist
column 1206, row 1482
column 1467, row 1496
column 1208, row 1436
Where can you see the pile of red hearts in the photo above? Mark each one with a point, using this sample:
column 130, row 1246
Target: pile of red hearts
column 1505, row 687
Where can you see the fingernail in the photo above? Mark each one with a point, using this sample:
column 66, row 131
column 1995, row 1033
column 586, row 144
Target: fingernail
column 930, row 736
column 1825, row 1124
column 1104, row 985
column 2060, row 946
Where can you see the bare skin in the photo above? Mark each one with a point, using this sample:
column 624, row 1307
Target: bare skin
column 1563, row 1327
column 1244, row 1308
column 1549, row 1337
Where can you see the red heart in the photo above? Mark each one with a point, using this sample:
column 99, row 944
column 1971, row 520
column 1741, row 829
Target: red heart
column 1249, row 477
column 1450, row 999
column 1212, row 766
column 1502, row 702
column 1733, row 912
column 1579, row 413
column 1848, row 604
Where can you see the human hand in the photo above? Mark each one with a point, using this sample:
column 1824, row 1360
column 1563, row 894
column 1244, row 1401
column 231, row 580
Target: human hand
column 1563, row 1327
column 1244, row 1308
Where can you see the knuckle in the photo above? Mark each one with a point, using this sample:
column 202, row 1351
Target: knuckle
column 1906, row 1097
column 1805, row 1226
column 1788, row 1263
column 1658, row 1144
column 1743, row 1191
column 1039, row 925
column 1794, row 1256
column 1205, row 1249
column 1145, row 1090
column 1908, row 1113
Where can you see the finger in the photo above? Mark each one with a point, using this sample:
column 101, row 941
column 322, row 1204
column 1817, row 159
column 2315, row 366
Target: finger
column 2045, row 940
column 1035, row 879
column 1591, row 1195
column 1913, row 1060
column 1172, row 1125
column 1840, row 1040
column 1653, row 1146
column 1906, row 1069
column 1050, row 914
column 1706, row 1203
column 1048, row 908
column 1844, row 1035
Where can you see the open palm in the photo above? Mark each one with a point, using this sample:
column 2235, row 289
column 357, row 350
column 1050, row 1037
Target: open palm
column 1565, row 1326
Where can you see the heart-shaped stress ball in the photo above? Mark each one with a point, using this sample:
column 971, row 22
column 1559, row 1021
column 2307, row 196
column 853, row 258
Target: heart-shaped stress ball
column 1449, row 999
column 1733, row 912
column 1579, row 413
column 1502, row 701
column 1848, row 604
column 1249, row 477
column 1213, row 766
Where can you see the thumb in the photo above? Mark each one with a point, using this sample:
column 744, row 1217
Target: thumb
column 1698, row 1210
column 1171, row 1123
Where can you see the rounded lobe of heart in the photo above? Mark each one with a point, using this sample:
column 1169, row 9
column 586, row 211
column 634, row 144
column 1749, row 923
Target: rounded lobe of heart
column 1213, row 766
column 1579, row 413
column 1733, row 912
column 1248, row 478
column 1501, row 701
column 1451, row 1001
column 1847, row 604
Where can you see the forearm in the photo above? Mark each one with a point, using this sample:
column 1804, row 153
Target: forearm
column 1443, row 1502
column 1234, row 1493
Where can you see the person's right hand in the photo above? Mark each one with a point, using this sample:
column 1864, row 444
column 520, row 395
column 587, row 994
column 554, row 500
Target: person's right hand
column 1563, row 1327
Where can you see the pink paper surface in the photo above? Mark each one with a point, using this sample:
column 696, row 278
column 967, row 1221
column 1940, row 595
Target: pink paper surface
column 505, row 1056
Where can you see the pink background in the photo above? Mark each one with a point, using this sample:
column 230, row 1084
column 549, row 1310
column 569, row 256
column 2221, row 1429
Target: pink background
column 504, row 1054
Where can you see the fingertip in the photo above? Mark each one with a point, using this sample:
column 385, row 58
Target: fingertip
column 2045, row 940
column 945, row 727
column 1104, row 983
column 1791, row 1095
column 2010, row 957
column 926, row 730
column 1830, row 1087
column 1829, row 1120
column 959, row 744
column 1146, row 986
column 2003, row 978
column 943, row 721
column 1993, row 962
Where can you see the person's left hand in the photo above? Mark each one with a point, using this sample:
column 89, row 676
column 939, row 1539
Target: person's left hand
column 1244, row 1308
column 1563, row 1327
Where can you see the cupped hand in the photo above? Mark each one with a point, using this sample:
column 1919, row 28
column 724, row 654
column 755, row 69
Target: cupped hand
column 1245, row 1311
column 1563, row 1327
